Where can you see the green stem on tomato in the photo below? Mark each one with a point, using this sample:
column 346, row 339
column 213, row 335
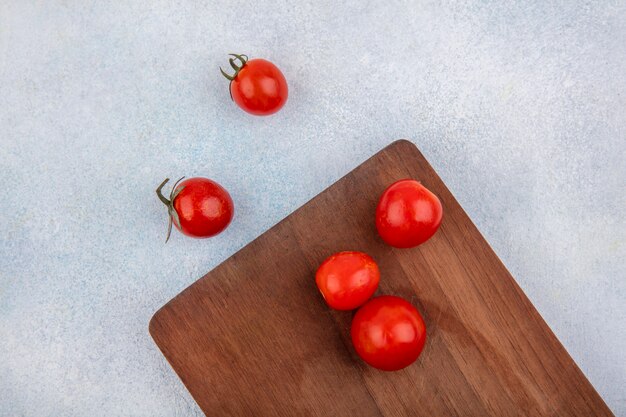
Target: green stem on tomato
column 160, row 195
column 172, row 214
column 242, row 58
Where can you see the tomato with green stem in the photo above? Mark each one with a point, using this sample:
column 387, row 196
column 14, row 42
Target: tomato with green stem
column 257, row 86
column 198, row 207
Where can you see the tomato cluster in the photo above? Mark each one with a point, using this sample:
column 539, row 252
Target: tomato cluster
column 387, row 332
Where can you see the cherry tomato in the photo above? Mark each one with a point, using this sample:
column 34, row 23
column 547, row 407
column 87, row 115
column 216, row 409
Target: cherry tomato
column 198, row 207
column 347, row 279
column 257, row 86
column 408, row 214
column 388, row 333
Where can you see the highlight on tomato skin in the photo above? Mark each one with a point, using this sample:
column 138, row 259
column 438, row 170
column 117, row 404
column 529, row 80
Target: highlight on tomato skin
column 198, row 207
column 388, row 333
column 257, row 85
column 408, row 214
column 347, row 279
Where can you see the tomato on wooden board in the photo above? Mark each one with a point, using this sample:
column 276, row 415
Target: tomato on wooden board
column 257, row 86
column 198, row 207
column 388, row 333
column 347, row 279
column 408, row 214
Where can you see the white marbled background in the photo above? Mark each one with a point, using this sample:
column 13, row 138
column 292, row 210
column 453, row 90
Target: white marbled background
column 520, row 106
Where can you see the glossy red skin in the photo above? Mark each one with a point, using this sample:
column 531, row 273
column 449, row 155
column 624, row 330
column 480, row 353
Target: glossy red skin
column 347, row 279
column 204, row 207
column 408, row 214
column 259, row 88
column 388, row 333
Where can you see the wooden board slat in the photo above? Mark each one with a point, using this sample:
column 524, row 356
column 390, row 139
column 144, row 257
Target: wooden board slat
column 253, row 337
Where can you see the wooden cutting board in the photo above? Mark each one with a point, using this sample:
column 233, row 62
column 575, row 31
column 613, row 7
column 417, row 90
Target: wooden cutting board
column 253, row 337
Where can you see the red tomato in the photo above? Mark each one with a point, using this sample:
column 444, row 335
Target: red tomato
column 408, row 214
column 388, row 333
column 347, row 279
column 198, row 207
column 257, row 86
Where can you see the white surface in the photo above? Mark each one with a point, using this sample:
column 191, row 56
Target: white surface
column 520, row 108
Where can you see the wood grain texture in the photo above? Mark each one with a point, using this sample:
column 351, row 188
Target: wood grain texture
column 253, row 337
